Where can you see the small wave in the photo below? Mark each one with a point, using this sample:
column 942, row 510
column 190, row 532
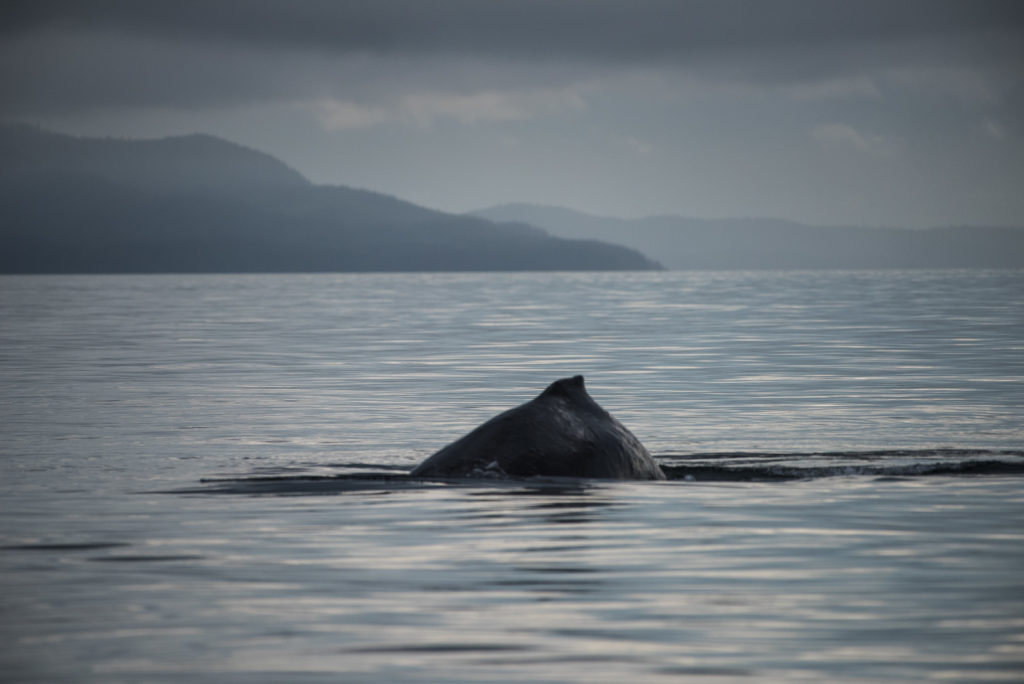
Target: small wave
column 701, row 467
column 297, row 485
column 767, row 467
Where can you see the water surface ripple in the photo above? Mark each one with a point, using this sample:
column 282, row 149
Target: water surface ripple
column 203, row 479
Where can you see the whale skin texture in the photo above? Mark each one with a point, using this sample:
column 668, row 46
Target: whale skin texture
column 562, row 432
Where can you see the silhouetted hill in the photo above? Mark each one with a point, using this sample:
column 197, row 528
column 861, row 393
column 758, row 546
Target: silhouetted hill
column 201, row 204
column 751, row 243
column 186, row 163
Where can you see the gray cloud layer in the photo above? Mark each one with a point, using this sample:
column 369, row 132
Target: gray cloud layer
column 880, row 111
column 783, row 40
column 591, row 29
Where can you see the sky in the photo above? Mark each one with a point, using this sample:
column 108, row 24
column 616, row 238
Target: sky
column 897, row 113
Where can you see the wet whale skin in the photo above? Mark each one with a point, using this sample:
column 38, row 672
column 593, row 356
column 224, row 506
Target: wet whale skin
column 562, row 432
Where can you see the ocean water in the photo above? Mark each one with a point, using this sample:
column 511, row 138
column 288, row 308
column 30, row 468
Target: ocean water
column 203, row 479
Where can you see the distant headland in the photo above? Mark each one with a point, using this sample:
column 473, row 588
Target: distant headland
column 199, row 204
column 763, row 243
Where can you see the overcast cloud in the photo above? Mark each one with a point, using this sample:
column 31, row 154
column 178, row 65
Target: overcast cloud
column 894, row 113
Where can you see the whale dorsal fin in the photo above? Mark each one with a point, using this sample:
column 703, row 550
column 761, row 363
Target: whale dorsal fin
column 565, row 386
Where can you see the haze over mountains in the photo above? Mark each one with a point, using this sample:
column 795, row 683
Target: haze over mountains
column 201, row 204
column 760, row 243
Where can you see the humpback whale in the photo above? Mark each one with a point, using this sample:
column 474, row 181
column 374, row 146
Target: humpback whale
column 560, row 433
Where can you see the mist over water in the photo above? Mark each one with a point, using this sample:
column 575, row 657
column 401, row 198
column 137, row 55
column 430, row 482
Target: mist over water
column 122, row 394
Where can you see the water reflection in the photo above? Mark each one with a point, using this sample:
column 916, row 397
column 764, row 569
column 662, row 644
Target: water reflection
column 558, row 501
column 586, row 581
column 845, row 566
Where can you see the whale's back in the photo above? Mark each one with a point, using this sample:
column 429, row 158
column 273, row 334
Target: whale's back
column 563, row 432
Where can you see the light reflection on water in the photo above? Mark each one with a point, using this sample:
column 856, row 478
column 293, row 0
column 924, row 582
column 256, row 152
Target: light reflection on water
column 116, row 388
column 842, row 581
column 691, row 362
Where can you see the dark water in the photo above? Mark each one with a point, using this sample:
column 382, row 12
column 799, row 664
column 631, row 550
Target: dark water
column 203, row 479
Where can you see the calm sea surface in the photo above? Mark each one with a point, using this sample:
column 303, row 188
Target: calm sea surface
column 202, row 479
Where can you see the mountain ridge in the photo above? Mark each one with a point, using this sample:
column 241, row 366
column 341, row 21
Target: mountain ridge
column 199, row 203
column 767, row 243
